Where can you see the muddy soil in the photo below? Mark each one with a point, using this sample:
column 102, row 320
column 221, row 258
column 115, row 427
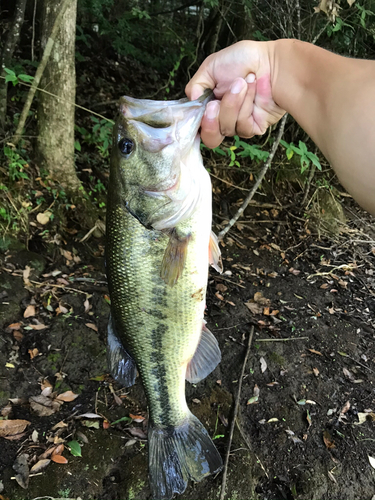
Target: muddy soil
column 305, row 428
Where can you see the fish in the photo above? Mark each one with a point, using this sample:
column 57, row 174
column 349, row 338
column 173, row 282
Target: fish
column 159, row 245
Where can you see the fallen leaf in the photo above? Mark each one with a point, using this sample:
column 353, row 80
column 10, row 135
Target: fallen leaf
column 266, row 311
column 258, row 297
column 219, row 296
column 58, row 450
column 22, row 469
column 272, row 384
column 59, row 425
column 348, row 374
column 14, row 326
column 294, row 271
column 59, row 459
column 45, row 383
column 91, row 424
column 75, row 448
column 332, row 477
column 40, row 465
column 315, row 352
column 252, row 400
column 221, row 287
column 106, row 424
column 33, row 352
column 324, row 286
column 272, row 420
column 92, row 326
column 89, row 415
column 263, row 365
column 328, row 441
column 17, row 335
column 372, row 461
column 316, row 372
column 308, row 418
column 36, row 327
column 254, row 308
column 67, row 396
column 12, row 427
column 86, row 305
column 137, row 432
column 43, row 217
column 34, row 436
column 29, row 311
column 43, row 406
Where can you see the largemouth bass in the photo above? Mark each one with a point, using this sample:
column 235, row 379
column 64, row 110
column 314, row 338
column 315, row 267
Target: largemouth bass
column 159, row 245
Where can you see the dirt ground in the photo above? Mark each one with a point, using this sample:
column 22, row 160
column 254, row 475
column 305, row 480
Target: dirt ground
column 305, row 428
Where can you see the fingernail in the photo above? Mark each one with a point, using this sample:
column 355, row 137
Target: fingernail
column 250, row 78
column 237, row 86
column 212, row 110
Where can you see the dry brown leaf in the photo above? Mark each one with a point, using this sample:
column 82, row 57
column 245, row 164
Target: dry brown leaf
column 25, row 275
column 29, row 311
column 33, row 352
column 328, row 441
column 92, row 326
column 38, row 327
column 17, row 335
column 67, row 396
column 12, row 427
column 40, row 465
column 45, row 383
column 43, row 406
column 266, row 311
column 59, row 425
column 258, row 297
column 294, row 271
column 137, row 432
column 219, row 296
column 86, row 305
column 43, row 217
column 59, row 459
column 14, row 326
column 254, row 308
column 139, row 418
column 324, row 286
column 315, row 352
column 22, row 470
column 263, row 364
column 65, row 253
column 221, row 287
column 106, row 424
column 58, row 450
column 316, row 372
column 348, row 374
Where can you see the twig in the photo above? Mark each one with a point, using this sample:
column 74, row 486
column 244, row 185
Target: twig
column 244, row 437
column 229, row 183
column 233, row 423
column 33, row 34
column 282, row 340
column 39, row 72
column 229, row 281
column 259, row 180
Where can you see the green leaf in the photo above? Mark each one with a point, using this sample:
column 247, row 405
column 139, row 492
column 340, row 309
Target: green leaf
column 302, row 147
column 26, row 78
column 219, row 151
column 314, row 159
column 77, row 145
column 75, row 448
column 289, row 153
column 122, row 419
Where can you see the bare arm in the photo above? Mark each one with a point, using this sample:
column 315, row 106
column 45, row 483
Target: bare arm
column 331, row 97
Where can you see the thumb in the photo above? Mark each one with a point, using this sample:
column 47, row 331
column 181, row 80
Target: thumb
column 201, row 81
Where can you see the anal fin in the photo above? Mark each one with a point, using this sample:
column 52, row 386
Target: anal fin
column 121, row 365
column 206, row 358
column 214, row 254
column 174, row 258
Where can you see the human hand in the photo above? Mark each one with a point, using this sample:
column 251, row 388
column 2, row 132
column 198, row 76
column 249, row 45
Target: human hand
column 240, row 77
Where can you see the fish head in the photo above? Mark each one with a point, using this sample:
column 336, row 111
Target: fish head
column 156, row 153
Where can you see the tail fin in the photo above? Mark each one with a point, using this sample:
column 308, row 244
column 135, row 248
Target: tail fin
column 177, row 454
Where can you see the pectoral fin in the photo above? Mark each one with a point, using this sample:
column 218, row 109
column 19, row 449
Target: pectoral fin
column 174, row 258
column 206, row 358
column 214, row 254
column 121, row 365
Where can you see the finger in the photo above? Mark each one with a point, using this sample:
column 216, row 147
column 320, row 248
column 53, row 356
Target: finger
column 210, row 130
column 201, row 81
column 245, row 120
column 230, row 107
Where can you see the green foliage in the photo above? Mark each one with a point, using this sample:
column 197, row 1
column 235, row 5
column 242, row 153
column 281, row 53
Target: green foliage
column 16, row 164
column 100, row 136
column 242, row 149
column 16, row 79
column 306, row 157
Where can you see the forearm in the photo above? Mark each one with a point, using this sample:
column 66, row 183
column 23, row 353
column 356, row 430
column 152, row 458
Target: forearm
column 333, row 99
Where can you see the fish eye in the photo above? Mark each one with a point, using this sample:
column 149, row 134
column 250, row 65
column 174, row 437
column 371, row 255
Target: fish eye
column 126, row 146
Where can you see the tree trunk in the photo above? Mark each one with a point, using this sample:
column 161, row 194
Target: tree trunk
column 7, row 54
column 56, row 117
